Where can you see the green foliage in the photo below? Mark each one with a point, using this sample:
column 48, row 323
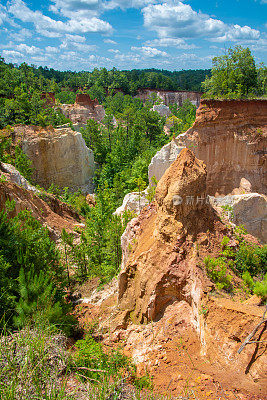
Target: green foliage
column 247, row 260
column 66, row 97
column 234, row 75
column 185, row 115
column 251, row 258
column 248, row 280
column 260, row 288
column 23, row 164
column 101, row 364
column 5, row 144
column 124, row 152
column 217, row 271
column 31, row 276
column 40, row 303
column 99, row 251
column 151, row 190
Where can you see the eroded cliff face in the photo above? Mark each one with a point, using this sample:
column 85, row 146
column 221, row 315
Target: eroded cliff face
column 162, row 310
column 162, row 269
column 51, row 212
column 83, row 109
column 59, row 156
column 170, row 97
column 230, row 136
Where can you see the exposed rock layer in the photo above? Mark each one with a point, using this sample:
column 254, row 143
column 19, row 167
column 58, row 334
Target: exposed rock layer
column 162, row 160
column 162, row 268
column 165, row 317
column 231, row 138
column 170, row 97
column 52, row 213
column 83, row 109
column 248, row 210
column 59, row 156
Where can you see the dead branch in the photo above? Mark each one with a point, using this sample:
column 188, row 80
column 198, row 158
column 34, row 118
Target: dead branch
column 250, row 336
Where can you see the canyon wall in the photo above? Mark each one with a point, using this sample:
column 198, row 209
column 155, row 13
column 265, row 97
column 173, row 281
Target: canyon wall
column 170, row 97
column 164, row 312
column 58, row 156
column 83, row 109
column 230, row 136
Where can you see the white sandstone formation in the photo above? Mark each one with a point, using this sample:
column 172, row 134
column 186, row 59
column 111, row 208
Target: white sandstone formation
column 15, row 176
column 162, row 110
column 249, row 210
column 59, row 156
column 162, row 160
column 133, row 202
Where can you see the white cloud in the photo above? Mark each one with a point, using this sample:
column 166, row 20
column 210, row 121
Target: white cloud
column 54, row 28
column 124, row 4
column 178, row 20
column 24, row 48
column 11, row 55
column 170, row 42
column 115, row 51
column 109, row 41
column 21, row 35
column 51, row 49
column 77, row 9
column 149, row 51
column 76, row 42
column 75, row 38
column 3, row 14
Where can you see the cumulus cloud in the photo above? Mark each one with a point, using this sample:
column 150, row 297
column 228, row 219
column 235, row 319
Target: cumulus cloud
column 54, row 28
column 114, row 51
column 149, row 51
column 76, row 42
column 178, row 20
column 12, row 55
column 24, row 48
column 76, row 8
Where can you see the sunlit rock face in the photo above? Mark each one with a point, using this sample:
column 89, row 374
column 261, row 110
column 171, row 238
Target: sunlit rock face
column 162, row 160
column 170, row 97
column 58, row 156
column 161, row 267
column 230, row 136
column 83, row 109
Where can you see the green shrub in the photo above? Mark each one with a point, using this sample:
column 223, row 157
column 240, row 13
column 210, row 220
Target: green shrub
column 40, row 303
column 23, row 164
column 217, row 272
column 260, row 288
column 251, row 258
column 248, row 280
column 32, row 278
column 99, row 364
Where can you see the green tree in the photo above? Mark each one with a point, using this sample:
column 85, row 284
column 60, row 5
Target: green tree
column 233, row 74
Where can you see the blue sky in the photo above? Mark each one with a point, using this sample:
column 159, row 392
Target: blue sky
column 127, row 34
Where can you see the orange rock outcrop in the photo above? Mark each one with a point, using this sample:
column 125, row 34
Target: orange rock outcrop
column 162, row 268
column 230, row 136
column 83, row 109
column 51, row 212
column 163, row 312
